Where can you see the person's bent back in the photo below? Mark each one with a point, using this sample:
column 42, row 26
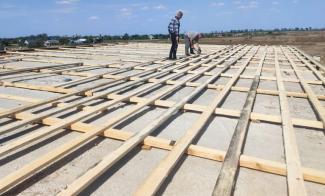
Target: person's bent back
column 192, row 41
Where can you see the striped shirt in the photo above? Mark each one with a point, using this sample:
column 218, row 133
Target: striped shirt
column 173, row 26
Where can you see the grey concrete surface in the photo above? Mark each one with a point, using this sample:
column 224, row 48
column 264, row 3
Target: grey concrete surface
column 193, row 175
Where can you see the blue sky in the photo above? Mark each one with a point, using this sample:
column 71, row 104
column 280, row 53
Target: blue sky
column 69, row 17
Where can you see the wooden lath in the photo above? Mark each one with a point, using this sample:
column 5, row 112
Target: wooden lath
column 57, row 153
column 250, row 162
column 11, row 127
column 15, row 71
column 159, row 174
column 232, row 158
column 78, row 92
column 226, row 179
column 108, row 161
column 294, row 172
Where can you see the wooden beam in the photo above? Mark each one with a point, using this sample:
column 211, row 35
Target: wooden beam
column 225, row 183
column 13, row 126
column 15, row 71
column 82, row 91
column 258, row 164
column 316, row 72
column 170, row 82
column 311, row 59
column 155, row 179
column 311, row 95
column 188, row 107
column 20, row 174
column 295, row 178
column 19, row 98
column 75, row 82
column 108, row 161
column 48, row 73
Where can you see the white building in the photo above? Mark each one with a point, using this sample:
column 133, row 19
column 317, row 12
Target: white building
column 49, row 43
column 80, row 41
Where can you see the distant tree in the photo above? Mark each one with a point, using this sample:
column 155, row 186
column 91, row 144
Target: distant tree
column 64, row 40
column 4, row 42
column 126, row 36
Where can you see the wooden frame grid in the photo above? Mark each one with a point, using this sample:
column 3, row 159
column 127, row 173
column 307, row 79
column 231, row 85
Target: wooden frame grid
column 114, row 86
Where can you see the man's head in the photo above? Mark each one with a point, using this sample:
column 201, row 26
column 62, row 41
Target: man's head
column 179, row 15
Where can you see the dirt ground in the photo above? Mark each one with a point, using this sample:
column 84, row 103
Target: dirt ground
column 313, row 42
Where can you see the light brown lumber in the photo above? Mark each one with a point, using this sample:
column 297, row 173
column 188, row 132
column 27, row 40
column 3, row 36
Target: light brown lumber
column 132, row 55
column 108, row 161
column 295, row 180
column 75, row 82
column 311, row 59
column 33, row 105
column 89, row 57
column 258, row 164
column 15, row 71
column 226, row 180
column 190, row 84
column 311, row 95
column 13, row 126
column 116, row 51
column 49, row 55
column 10, row 127
column 85, row 64
column 43, row 115
column 312, row 68
column 46, row 73
column 188, row 107
column 38, row 87
column 316, row 82
column 155, row 179
column 19, row 98
column 20, row 174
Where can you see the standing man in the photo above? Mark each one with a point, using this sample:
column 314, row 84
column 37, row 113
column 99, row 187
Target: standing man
column 173, row 29
column 192, row 40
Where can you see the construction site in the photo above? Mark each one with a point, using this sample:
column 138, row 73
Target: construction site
column 122, row 119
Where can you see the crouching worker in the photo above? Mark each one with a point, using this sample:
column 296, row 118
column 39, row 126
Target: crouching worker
column 173, row 29
column 192, row 43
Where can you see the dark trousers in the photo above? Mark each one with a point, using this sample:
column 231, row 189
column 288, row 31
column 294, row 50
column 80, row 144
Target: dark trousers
column 173, row 49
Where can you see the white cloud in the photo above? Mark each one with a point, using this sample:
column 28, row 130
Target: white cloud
column 250, row 5
column 217, row 4
column 93, row 18
column 159, row 7
column 66, row 6
column 125, row 12
column 66, row 2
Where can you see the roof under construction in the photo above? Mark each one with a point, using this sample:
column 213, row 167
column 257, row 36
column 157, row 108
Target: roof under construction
column 121, row 119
